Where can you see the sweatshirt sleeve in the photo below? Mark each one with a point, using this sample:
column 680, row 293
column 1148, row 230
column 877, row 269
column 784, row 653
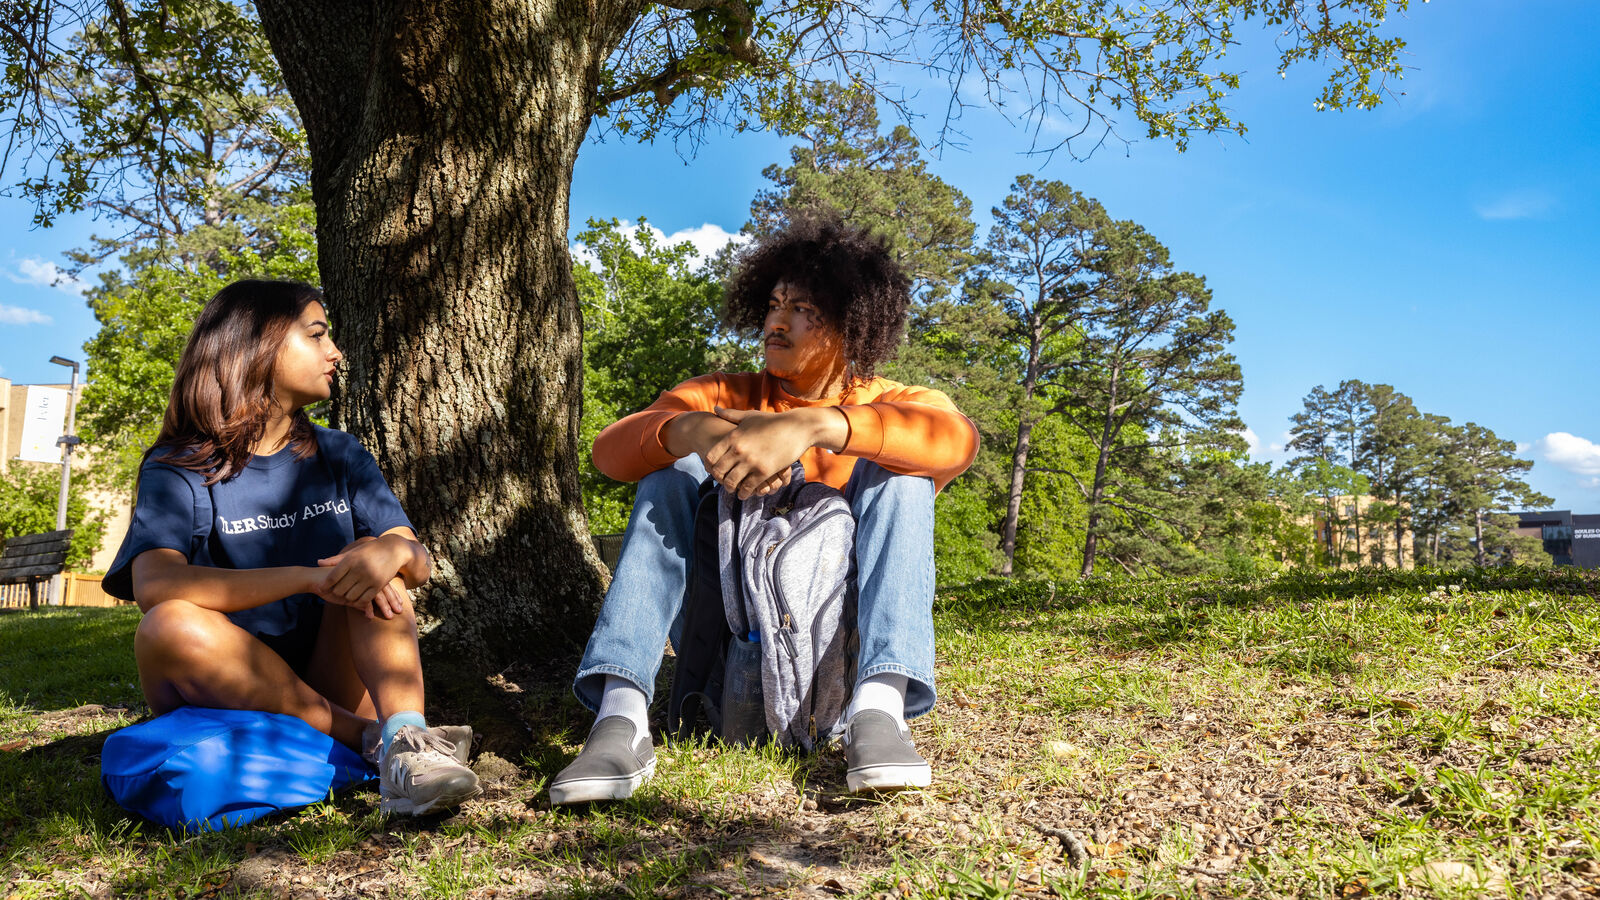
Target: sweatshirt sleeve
column 631, row 447
column 913, row 431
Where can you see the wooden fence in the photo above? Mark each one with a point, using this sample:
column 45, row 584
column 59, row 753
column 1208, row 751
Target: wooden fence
column 81, row 590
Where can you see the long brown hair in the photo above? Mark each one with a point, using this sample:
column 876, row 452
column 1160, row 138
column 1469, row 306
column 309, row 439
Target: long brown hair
column 222, row 392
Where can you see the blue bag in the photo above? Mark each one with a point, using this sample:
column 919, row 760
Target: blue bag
column 205, row 769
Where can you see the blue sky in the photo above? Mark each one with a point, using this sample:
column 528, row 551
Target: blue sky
column 1442, row 243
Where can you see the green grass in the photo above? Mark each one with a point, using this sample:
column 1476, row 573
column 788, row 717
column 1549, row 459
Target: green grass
column 1306, row 735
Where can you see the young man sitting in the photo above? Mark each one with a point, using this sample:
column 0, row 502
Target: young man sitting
column 830, row 304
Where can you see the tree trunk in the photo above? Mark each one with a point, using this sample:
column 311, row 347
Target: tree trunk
column 442, row 139
column 1477, row 531
column 1355, row 518
column 1091, row 540
column 1019, row 459
column 1327, row 533
column 1019, row 464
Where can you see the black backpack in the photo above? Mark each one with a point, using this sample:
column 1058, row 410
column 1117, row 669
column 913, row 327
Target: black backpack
column 694, row 705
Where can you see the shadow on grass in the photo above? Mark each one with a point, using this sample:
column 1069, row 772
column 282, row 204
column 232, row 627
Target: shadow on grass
column 639, row 848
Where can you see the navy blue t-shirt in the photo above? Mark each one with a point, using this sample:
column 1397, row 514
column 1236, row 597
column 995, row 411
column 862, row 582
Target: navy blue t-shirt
column 278, row 511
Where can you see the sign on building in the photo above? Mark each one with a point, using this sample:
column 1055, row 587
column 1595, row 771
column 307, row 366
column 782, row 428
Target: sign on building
column 44, row 421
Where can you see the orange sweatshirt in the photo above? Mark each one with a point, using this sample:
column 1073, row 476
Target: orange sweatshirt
column 909, row 430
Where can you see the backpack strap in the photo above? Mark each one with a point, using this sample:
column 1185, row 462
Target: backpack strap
column 694, row 702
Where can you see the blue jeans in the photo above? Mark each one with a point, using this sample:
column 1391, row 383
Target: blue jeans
column 894, row 577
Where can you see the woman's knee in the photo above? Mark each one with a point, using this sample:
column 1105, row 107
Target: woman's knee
column 178, row 629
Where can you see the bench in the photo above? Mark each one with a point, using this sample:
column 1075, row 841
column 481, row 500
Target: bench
column 33, row 559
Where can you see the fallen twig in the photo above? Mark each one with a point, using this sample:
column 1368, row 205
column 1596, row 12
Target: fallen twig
column 1071, row 844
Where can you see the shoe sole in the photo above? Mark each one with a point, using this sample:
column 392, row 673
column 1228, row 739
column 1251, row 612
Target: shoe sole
column 409, row 807
column 888, row 778
column 590, row 790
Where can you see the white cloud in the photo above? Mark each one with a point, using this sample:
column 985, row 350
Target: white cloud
column 706, row 239
column 1577, row 455
column 17, row 315
column 1263, row 450
column 1517, row 205
column 42, row 273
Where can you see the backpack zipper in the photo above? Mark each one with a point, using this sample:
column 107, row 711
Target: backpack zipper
column 786, row 635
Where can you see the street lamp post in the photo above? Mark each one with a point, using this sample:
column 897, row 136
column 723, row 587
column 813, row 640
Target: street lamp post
column 67, row 442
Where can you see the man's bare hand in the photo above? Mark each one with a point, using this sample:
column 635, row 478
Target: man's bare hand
column 754, row 458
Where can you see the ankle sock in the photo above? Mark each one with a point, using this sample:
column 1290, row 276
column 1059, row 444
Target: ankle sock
column 623, row 698
column 886, row 692
column 393, row 724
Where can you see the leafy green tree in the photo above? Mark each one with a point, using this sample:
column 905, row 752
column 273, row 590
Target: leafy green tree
column 1485, row 477
column 1393, row 452
column 1338, row 486
column 651, row 320
column 1150, row 381
column 442, row 138
column 168, row 117
column 964, row 545
column 1043, row 248
column 28, row 498
column 1328, row 432
column 1054, row 512
column 147, row 308
column 1282, row 523
column 1432, row 509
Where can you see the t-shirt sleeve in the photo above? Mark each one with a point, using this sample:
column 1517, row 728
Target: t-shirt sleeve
column 374, row 507
column 163, row 518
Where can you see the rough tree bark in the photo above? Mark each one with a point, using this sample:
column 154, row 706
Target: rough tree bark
column 442, row 138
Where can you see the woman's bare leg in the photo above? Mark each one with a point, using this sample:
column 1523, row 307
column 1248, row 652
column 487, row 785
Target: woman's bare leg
column 372, row 666
column 192, row 656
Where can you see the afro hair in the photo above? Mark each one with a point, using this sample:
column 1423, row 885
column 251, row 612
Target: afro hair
column 851, row 276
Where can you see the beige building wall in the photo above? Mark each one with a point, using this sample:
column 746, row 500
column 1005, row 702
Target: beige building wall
column 115, row 505
column 1376, row 539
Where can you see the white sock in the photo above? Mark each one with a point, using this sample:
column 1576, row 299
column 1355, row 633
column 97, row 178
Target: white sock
column 886, row 692
column 623, row 698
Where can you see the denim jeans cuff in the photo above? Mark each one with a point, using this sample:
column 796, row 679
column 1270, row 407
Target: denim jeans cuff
column 591, row 699
column 920, row 695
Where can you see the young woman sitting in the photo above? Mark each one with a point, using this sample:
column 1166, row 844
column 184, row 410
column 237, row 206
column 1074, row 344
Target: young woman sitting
column 270, row 558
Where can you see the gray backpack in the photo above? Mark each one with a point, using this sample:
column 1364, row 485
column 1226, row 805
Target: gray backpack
column 787, row 565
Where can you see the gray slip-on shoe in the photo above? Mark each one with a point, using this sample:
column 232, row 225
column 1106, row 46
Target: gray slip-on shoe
column 420, row 774
column 614, row 762
column 879, row 756
column 459, row 737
